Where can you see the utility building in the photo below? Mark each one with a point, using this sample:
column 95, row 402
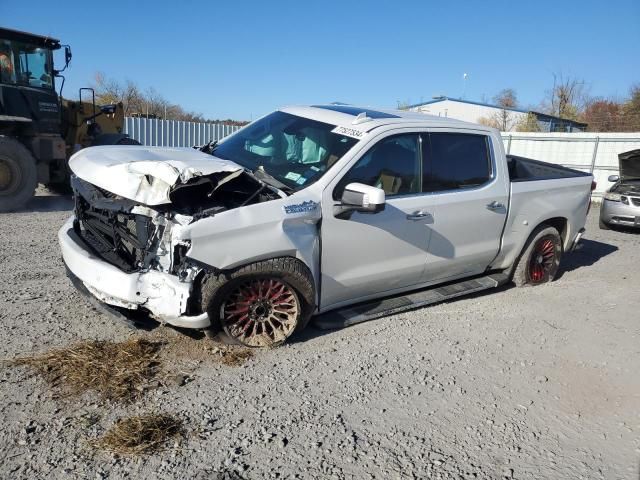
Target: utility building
column 507, row 119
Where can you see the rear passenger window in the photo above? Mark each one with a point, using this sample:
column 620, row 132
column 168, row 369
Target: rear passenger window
column 456, row 160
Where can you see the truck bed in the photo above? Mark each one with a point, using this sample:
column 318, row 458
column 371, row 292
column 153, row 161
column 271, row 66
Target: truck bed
column 523, row 169
column 542, row 192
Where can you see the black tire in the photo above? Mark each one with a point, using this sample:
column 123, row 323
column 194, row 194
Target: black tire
column 264, row 325
column 540, row 258
column 18, row 174
column 603, row 225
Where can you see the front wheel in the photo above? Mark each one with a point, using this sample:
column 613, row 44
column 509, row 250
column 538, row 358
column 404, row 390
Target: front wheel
column 540, row 259
column 261, row 304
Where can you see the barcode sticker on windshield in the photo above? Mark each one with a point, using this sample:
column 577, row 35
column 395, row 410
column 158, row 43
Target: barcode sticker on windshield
column 292, row 176
column 349, row 132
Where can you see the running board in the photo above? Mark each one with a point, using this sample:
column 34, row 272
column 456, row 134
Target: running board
column 380, row 308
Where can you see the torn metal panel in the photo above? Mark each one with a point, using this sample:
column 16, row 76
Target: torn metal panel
column 146, row 175
column 284, row 227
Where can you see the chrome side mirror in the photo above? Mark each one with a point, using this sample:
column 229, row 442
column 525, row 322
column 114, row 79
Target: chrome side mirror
column 363, row 198
column 613, row 178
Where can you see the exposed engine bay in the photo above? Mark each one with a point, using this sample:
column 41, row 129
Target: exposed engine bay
column 135, row 237
column 628, row 187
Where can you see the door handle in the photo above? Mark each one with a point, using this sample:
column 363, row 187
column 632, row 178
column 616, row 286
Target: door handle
column 495, row 205
column 417, row 215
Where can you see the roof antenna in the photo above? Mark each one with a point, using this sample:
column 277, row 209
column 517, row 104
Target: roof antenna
column 361, row 118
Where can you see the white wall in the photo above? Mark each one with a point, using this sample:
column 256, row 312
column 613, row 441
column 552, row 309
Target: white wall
column 467, row 112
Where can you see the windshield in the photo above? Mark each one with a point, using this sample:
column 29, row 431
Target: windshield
column 24, row 64
column 296, row 151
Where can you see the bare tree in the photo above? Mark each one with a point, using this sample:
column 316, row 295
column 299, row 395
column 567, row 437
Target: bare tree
column 567, row 98
column 504, row 119
column 109, row 91
column 507, row 100
column 150, row 102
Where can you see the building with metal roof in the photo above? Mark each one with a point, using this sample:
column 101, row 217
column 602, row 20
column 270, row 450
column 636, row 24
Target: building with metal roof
column 507, row 119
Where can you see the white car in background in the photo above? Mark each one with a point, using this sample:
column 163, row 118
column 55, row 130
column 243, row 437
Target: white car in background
column 621, row 203
column 333, row 211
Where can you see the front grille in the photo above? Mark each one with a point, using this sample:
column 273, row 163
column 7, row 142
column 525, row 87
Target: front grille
column 121, row 239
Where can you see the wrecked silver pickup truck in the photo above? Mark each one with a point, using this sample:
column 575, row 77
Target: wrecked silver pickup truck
column 321, row 210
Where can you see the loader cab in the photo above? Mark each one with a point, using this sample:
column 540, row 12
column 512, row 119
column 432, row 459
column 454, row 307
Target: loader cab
column 27, row 85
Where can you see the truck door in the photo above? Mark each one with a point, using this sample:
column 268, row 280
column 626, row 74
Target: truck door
column 365, row 254
column 468, row 189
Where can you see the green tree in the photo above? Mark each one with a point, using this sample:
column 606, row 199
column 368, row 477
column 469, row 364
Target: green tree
column 528, row 124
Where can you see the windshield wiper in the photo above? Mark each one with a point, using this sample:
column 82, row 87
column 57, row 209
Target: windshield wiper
column 209, row 147
column 262, row 174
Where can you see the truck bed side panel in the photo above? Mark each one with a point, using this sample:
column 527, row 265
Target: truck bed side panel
column 523, row 169
column 534, row 202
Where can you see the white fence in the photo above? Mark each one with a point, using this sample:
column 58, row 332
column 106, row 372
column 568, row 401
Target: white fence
column 596, row 153
column 174, row 133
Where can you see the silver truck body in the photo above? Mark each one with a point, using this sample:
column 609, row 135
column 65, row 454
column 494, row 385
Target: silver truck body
column 419, row 239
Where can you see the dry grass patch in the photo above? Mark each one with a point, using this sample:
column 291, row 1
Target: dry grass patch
column 140, row 435
column 184, row 347
column 232, row 356
column 116, row 371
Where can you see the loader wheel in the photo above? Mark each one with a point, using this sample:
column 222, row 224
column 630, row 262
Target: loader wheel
column 18, row 174
column 540, row 258
column 261, row 304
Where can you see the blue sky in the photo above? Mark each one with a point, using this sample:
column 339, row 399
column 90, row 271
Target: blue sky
column 241, row 59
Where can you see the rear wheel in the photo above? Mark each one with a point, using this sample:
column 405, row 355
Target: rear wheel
column 261, row 304
column 540, row 259
column 18, row 174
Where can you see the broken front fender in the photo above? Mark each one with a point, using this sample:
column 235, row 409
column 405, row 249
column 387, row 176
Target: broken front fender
column 165, row 296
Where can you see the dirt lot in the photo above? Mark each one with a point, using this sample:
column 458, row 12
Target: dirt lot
column 525, row 383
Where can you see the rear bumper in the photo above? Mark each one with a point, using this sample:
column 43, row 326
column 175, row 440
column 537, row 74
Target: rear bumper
column 575, row 245
column 617, row 213
column 161, row 294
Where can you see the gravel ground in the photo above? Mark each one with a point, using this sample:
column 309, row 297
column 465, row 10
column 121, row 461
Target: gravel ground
column 525, row 383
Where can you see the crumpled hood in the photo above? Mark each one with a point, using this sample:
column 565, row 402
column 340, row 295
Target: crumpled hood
column 629, row 163
column 144, row 174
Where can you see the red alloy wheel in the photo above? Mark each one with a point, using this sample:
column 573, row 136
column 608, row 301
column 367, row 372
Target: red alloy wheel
column 260, row 312
column 542, row 260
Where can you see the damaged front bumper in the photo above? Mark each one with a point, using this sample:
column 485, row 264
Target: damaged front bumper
column 163, row 295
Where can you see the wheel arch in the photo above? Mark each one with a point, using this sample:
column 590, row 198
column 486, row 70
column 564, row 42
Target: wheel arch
column 561, row 224
column 208, row 270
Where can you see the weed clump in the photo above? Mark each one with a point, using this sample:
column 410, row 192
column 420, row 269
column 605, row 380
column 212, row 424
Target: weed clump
column 117, row 371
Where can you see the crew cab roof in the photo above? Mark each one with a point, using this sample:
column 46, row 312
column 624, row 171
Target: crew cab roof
column 347, row 116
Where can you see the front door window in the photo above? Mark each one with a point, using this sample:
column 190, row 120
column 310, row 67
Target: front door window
column 393, row 164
